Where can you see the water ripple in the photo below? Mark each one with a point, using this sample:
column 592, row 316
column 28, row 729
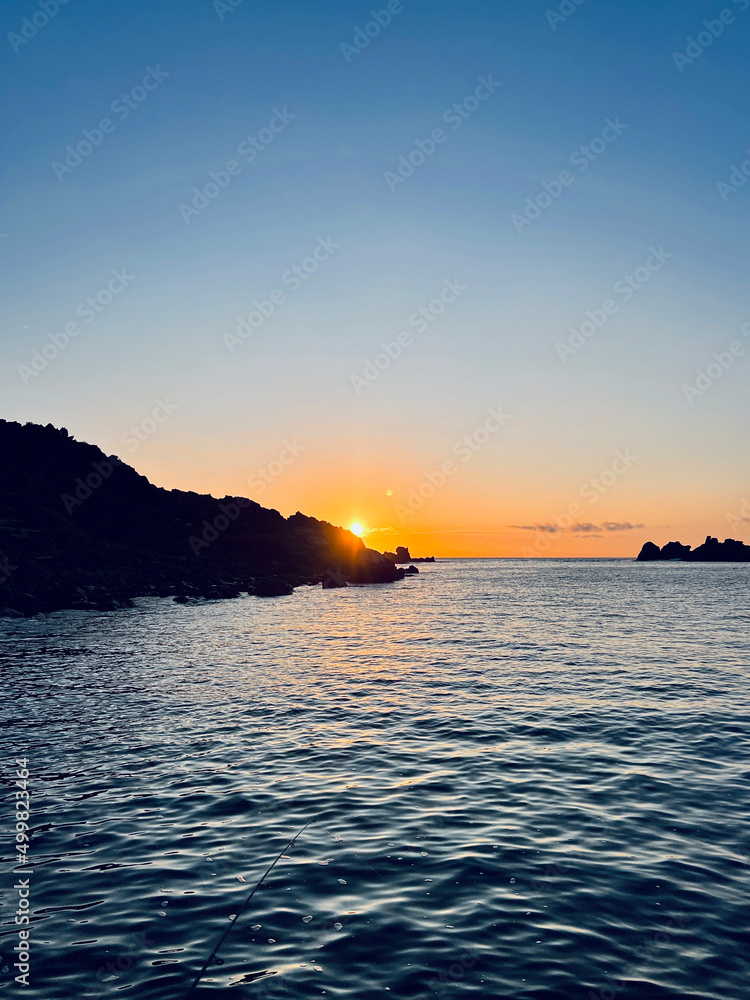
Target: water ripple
column 528, row 780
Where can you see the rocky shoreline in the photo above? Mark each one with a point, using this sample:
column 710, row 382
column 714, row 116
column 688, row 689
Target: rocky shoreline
column 83, row 530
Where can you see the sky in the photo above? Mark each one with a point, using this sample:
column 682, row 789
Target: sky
column 472, row 276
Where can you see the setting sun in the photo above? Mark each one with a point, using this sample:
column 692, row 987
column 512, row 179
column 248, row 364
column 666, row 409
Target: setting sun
column 356, row 529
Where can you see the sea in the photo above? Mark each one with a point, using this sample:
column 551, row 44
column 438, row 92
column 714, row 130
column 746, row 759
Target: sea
column 506, row 779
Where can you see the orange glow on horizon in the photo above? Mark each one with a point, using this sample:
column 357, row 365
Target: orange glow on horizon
column 503, row 505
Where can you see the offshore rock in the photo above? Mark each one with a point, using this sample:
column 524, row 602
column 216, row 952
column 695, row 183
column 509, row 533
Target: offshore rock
column 650, row 551
column 370, row 566
column 272, row 587
column 402, row 555
column 712, row 550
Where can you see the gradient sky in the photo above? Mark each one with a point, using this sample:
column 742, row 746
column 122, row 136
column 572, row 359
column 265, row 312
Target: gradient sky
column 357, row 456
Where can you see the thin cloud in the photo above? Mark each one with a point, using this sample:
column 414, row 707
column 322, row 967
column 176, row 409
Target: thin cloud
column 549, row 528
column 584, row 528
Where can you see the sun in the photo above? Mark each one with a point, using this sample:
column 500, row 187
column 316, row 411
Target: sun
column 357, row 529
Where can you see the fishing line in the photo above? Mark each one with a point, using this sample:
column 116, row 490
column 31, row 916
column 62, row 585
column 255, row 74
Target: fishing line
column 213, row 957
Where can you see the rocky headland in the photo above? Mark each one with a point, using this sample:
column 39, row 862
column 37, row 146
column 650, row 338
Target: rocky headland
column 82, row 530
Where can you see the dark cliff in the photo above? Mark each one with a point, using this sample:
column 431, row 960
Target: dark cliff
column 79, row 529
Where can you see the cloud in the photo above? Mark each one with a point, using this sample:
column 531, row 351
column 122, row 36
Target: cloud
column 586, row 529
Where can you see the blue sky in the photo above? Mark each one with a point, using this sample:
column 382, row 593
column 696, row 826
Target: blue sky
column 224, row 75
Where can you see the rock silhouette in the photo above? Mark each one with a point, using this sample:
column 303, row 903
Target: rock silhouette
column 370, row 566
column 401, row 555
column 83, row 530
column 712, row 550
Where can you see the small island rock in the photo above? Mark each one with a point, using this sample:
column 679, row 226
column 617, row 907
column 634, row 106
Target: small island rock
column 712, row 550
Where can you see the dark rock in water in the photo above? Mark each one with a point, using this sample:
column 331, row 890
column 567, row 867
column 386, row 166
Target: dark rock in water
column 105, row 604
column 271, row 586
column 675, row 550
column 712, row 550
column 411, row 571
column 181, row 599
column 27, row 605
column 221, row 592
column 370, row 566
column 402, row 555
column 649, row 552
column 101, row 600
column 215, row 594
column 333, row 581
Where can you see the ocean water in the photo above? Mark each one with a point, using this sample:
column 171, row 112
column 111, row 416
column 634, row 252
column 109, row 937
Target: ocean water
column 527, row 780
